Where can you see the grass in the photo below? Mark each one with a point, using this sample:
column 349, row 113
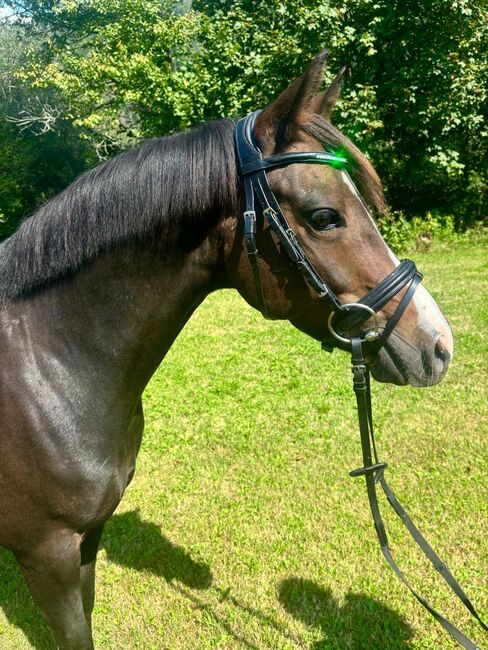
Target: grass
column 242, row 528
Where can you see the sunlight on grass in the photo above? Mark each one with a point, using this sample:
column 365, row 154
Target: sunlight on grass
column 242, row 528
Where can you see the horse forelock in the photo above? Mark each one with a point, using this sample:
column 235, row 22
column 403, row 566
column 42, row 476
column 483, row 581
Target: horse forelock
column 361, row 169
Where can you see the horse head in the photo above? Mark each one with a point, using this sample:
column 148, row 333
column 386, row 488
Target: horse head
column 327, row 211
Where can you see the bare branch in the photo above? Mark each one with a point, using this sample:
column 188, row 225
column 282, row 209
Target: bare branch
column 38, row 122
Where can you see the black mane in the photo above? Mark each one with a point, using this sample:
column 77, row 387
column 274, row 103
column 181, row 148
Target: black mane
column 164, row 184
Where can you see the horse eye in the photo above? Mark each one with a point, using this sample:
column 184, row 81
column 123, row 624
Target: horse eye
column 324, row 219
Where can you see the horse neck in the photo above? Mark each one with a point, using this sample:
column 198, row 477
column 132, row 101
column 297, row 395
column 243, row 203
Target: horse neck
column 120, row 314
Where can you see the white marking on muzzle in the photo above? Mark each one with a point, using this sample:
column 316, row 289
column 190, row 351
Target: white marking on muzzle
column 430, row 318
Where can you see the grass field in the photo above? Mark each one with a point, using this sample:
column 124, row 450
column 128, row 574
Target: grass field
column 242, row 528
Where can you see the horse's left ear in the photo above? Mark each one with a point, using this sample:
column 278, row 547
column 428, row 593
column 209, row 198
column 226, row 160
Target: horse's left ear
column 274, row 125
column 324, row 103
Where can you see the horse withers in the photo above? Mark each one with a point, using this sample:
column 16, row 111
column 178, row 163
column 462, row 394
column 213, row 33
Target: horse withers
column 97, row 284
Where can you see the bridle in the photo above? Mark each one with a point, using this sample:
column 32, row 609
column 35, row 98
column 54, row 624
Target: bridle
column 344, row 317
column 252, row 170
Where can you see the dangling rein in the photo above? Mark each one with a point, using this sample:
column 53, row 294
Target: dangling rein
column 373, row 471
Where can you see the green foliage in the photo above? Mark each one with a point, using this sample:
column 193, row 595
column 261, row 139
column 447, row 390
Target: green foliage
column 420, row 233
column 126, row 69
column 404, row 235
column 34, row 164
column 431, row 75
column 416, row 99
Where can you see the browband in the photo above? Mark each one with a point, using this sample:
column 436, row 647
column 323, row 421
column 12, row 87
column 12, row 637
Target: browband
column 251, row 159
column 283, row 159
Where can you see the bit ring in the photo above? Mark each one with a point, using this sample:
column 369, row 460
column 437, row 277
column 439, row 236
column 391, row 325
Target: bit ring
column 370, row 336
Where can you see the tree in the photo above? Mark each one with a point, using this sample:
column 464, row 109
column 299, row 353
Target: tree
column 40, row 152
column 416, row 99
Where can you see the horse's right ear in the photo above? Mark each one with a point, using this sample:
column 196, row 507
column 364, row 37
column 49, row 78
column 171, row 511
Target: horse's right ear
column 274, row 126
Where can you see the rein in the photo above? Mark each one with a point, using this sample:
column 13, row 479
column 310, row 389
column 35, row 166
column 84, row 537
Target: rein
column 344, row 317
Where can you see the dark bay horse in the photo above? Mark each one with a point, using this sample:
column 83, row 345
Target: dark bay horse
column 97, row 284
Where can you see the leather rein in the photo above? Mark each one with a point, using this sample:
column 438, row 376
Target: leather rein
column 343, row 318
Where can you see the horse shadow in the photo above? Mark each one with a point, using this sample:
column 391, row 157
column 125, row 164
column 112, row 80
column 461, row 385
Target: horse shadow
column 140, row 545
column 128, row 541
column 361, row 622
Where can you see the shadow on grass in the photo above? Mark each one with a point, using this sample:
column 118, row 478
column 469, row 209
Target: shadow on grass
column 361, row 622
column 18, row 607
column 138, row 544
column 128, row 541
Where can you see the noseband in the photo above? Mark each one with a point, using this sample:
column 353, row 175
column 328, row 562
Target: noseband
column 344, row 317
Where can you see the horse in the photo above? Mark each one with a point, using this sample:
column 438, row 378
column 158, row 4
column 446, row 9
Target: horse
column 96, row 285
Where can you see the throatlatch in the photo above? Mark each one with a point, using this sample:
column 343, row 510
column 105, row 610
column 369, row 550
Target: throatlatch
column 343, row 318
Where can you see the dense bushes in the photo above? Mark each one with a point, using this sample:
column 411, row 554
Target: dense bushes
column 416, row 99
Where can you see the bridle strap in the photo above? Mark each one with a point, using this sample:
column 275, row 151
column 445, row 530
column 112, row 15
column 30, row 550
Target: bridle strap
column 373, row 471
column 286, row 236
column 406, row 272
column 252, row 171
column 282, row 160
column 251, row 247
column 404, row 302
column 393, row 285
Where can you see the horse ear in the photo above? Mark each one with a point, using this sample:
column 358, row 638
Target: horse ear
column 273, row 124
column 324, row 103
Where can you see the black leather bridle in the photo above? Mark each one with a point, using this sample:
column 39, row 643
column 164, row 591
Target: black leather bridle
column 252, row 170
column 343, row 318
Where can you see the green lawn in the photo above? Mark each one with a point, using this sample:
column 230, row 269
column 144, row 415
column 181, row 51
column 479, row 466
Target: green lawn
column 242, row 528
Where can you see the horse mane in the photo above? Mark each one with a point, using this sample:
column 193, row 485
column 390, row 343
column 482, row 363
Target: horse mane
column 163, row 185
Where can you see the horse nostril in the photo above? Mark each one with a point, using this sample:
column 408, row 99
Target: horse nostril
column 441, row 353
